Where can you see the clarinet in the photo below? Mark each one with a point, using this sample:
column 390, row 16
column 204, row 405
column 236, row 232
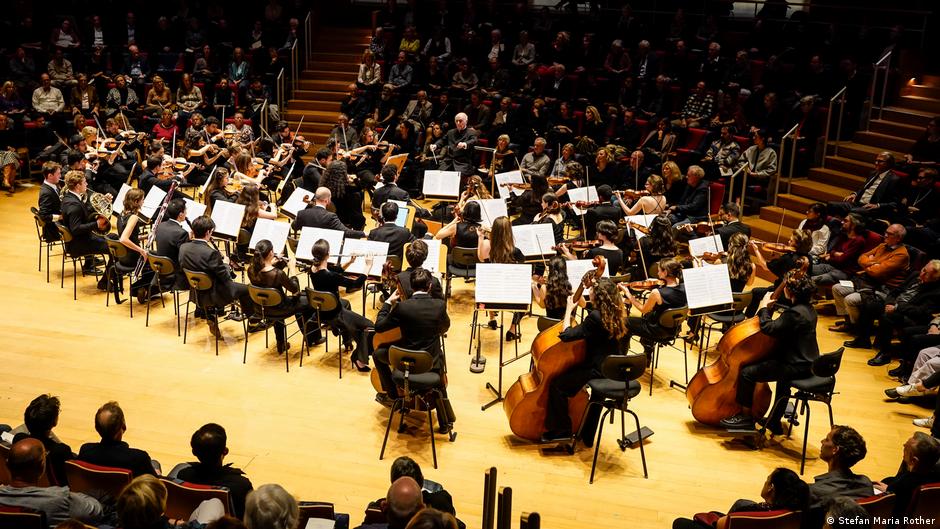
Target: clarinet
column 153, row 233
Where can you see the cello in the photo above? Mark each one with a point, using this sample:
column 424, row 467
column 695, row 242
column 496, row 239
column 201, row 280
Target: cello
column 712, row 391
column 526, row 401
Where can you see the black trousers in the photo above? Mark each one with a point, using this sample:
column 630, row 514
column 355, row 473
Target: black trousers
column 648, row 332
column 771, row 370
column 444, row 415
column 562, row 388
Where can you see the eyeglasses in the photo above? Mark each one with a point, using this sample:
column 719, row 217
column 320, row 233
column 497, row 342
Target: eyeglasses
column 892, row 234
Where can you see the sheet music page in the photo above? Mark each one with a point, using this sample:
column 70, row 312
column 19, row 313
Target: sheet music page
column 510, row 177
column 401, row 203
column 441, row 183
column 117, row 205
column 431, row 264
column 699, row 246
column 362, row 247
column 194, row 209
column 491, row 209
column 707, row 286
column 272, row 230
column 320, row 523
column 534, row 239
column 227, row 217
column 295, row 202
column 578, row 194
column 576, row 270
column 504, row 283
column 642, row 220
column 309, row 236
column 152, row 202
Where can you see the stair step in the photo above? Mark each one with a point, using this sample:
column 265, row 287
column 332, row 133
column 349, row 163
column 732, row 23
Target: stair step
column 353, row 48
column 766, row 230
column 838, row 169
column 330, row 56
column 325, row 85
column 819, row 191
column 318, row 127
column 907, row 115
column 319, row 95
column 794, row 202
column 922, row 90
column 863, row 153
column 329, row 75
column 335, row 66
column 894, row 128
column 884, row 141
column 312, row 104
column 792, row 218
column 312, row 115
column 926, row 104
column 340, row 32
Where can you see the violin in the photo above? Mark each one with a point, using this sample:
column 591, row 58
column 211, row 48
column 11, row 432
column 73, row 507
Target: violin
column 638, row 227
column 583, row 204
column 557, row 180
column 645, row 284
column 578, row 246
column 702, row 228
column 599, row 262
column 630, row 194
column 517, row 185
column 713, row 256
column 777, row 247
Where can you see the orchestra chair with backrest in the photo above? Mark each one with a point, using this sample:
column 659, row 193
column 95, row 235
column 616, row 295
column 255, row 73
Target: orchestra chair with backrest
column 182, row 498
column 88, row 478
column 411, row 372
column 671, row 320
column 613, row 392
column 880, row 509
column 43, row 243
column 165, row 270
column 114, row 275
column 320, row 302
column 67, row 238
column 21, row 518
column 724, row 320
column 201, row 283
column 266, row 299
column 462, row 263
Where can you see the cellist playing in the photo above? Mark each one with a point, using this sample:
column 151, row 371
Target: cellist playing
column 792, row 357
column 604, row 329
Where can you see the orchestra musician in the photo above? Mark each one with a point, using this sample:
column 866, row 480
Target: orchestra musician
column 316, row 215
column 457, row 146
column 741, row 271
column 659, row 244
column 669, row 296
column 606, row 232
column 603, row 210
column 255, row 209
column 551, row 214
column 76, row 213
column 218, row 188
column 799, row 243
column 604, row 329
column 169, row 237
column 500, row 247
column 347, row 199
column 50, row 203
column 389, row 189
column 552, row 293
column 395, row 235
column 792, row 357
column 462, row 231
column 730, row 214
column 416, row 255
column 529, row 203
column 423, row 320
column 653, row 203
column 129, row 224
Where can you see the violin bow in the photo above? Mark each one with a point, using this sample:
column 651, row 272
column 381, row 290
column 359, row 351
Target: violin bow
column 780, row 226
column 173, row 146
column 711, row 224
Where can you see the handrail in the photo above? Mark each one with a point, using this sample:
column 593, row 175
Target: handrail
column 279, row 91
column 263, row 116
column 783, row 142
column 295, row 67
column 879, row 65
column 308, row 38
column 832, row 100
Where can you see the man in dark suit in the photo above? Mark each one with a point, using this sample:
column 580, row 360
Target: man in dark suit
column 317, row 216
column 693, row 206
column 457, row 145
column 389, row 189
column 730, row 213
column 395, row 235
column 422, row 320
column 878, row 198
column 602, row 211
column 416, row 255
column 170, row 236
column 50, row 206
column 112, row 451
column 75, row 215
column 199, row 256
column 208, row 444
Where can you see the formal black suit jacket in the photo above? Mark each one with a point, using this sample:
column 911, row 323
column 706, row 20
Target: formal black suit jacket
column 404, row 278
column 319, row 217
column 226, row 476
column 49, row 205
column 600, row 212
column 394, row 235
column 795, row 331
column 886, row 194
column 694, row 202
column 386, row 192
column 198, row 256
column 170, row 236
column 75, row 215
column 462, row 159
column 728, row 230
column 117, row 454
column 422, row 320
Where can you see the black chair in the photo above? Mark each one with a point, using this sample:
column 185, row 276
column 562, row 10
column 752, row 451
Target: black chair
column 321, row 302
column 165, row 270
column 21, row 518
column 43, row 243
column 740, row 302
column 462, row 263
column 266, row 299
column 66, row 254
column 115, row 274
column 544, row 322
column 820, row 387
column 613, row 392
column 416, row 384
column 200, row 282
column 374, row 287
column 671, row 319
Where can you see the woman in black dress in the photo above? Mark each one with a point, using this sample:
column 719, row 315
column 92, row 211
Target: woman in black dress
column 347, row 200
column 462, row 231
column 553, row 293
column 129, row 227
column 669, row 296
column 500, row 247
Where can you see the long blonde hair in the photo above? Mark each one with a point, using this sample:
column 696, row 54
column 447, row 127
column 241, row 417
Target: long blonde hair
column 739, row 260
column 607, row 300
column 502, row 244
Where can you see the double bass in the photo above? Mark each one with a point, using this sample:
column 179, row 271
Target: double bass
column 526, row 401
column 712, row 391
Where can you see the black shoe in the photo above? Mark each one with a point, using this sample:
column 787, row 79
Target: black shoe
column 492, row 324
column 256, row 326
column 555, row 436
column 236, row 316
column 892, row 393
column 199, row 314
column 281, row 349
column 858, row 343
column 738, row 422
column 880, row 359
column 90, row 270
column 362, row 368
column 384, row 400
column 143, row 295
column 445, row 429
column 511, row 336
column 773, row 427
column 842, row 327
column 214, row 328
column 350, row 290
column 99, row 261
column 319, row 341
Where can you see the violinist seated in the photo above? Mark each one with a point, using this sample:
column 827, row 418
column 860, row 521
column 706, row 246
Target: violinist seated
column 552, row 214
column 796, row 257
column 462, row 232
column 552, row 290
column 128, row 227
column 389, row 188
column 606, row 232
column 605, row 334
column 669, row 296
column 267, row 270
column 730, row 215
column 396, row 236
column 498, row 246
column 693, row 204
column 316, row 215
column 648, row 202
column 416, row 255
column 219, row 188
column 791, row 358
column 603, row 210
column 161, row 174
column 529, row 203
column 422, row 320
column 255, row 209
column 128, row 143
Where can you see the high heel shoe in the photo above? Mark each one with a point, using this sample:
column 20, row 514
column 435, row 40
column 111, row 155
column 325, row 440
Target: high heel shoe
column 362, row 368
column 512, row 336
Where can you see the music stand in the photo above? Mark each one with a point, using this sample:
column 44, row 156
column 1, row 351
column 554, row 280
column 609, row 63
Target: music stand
column 444, row 188
column 492, row 152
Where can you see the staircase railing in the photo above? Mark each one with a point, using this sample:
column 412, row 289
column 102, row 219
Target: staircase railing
column 280, row 91
column 308, row 39
column 792, row 136
column 883, row 64
column 840, row 95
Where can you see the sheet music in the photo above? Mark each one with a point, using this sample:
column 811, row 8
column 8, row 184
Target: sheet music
column 578, row 194
column 272, row 230
column 510, row 177
column 295, row 202
column 576, row 270
column 441, row 183
column 491, row 209
column 432, row 263
column 362, row 247
column 402, row 217
column 699, row 246
column 205, row 185
column 707, row 286
column 504, row 283
column 401, row 203
column 152, row 202
column 309, row 236
column 227, row 217
column 117, row 205
column 534, row 239
column 642, row 220
column 320, row 523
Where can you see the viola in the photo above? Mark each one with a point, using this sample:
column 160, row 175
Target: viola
column 578, row 245
column 777, row 247
column 599, row 262
column 517, row 185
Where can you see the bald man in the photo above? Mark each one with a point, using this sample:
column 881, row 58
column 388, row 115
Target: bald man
column 113, row 451
column 457, row 145
column 403, row 501
column 27, row 464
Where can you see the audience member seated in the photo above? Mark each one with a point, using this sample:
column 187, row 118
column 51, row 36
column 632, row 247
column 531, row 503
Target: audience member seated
column 209, row 446
column 112, row 451
column 878, row 197
column 402, row 503
column 433, row 494
column 918, row 467
column 841, row 449
column 271, row 507
column 142, row 503
column 40, row 418
column 840, row 262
